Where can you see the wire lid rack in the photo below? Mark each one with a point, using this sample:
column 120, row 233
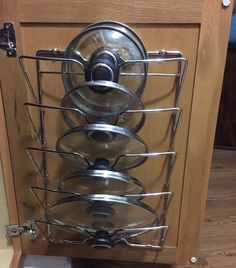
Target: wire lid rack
column 36, row 112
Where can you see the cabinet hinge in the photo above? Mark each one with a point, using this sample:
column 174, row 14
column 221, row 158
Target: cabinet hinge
column 28, row 229
column 8, row 39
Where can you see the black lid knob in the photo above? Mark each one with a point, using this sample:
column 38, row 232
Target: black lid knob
column 101, row 240
column 103, row 65
column 100, row 164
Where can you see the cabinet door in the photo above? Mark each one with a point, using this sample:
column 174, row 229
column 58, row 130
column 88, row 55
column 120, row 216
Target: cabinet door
column 199, row 30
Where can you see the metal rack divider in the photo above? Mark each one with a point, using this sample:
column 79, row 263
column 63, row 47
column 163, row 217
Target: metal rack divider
column 159, row 57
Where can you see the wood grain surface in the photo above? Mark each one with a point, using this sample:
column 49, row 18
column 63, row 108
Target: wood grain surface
column 212, row 50
column 10, row 213
column 218, row 239
column 10, row 125
column 151, row 11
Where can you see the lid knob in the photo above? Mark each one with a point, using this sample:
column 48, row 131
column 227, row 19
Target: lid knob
column 103, row 65
column 101, row 240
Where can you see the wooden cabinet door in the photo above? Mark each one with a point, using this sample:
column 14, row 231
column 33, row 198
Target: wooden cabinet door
column 199, row 29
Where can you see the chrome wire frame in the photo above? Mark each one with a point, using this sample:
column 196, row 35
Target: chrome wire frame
column 85, row 232
column 34, row 190
column 171, row 155
column 44, row 173
column 49, row 236
column 167, row 197
column 154, row 57
column 175, row 113
column 42, row 109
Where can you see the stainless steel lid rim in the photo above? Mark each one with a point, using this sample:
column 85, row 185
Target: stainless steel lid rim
column 134, row 129
column 101, row 197
column 136, row 101
column 102, row 223
column 86, row 163
column 102, row 134
column 134, row 98
column 103, row 174
column 103, row 128
column 115, row 234
column 92, row 231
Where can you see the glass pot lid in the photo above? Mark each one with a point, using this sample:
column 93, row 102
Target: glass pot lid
column 102, row 50
column 103, row 107
column 101, row 212
column 101, row 104
column 124, row 29
column 101, row 182
column 96, row 239
column 102, row 141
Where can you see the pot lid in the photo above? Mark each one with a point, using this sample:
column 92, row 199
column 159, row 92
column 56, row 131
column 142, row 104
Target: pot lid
column 102, row 182
column 103, row 107
column 102, row 49
column 100, row 212
column 102, row 141
column 101, row 104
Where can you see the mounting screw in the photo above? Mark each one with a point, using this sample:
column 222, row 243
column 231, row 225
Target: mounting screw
column 11, row 45
column 225, row 3
column 162, row 52
column 193, row 260
column 54, row 50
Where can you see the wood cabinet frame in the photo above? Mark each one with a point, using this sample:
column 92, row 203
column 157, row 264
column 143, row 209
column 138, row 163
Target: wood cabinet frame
column 214, row 21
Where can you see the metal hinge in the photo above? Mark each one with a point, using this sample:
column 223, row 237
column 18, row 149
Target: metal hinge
column 28, row 229
column 8, row 39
